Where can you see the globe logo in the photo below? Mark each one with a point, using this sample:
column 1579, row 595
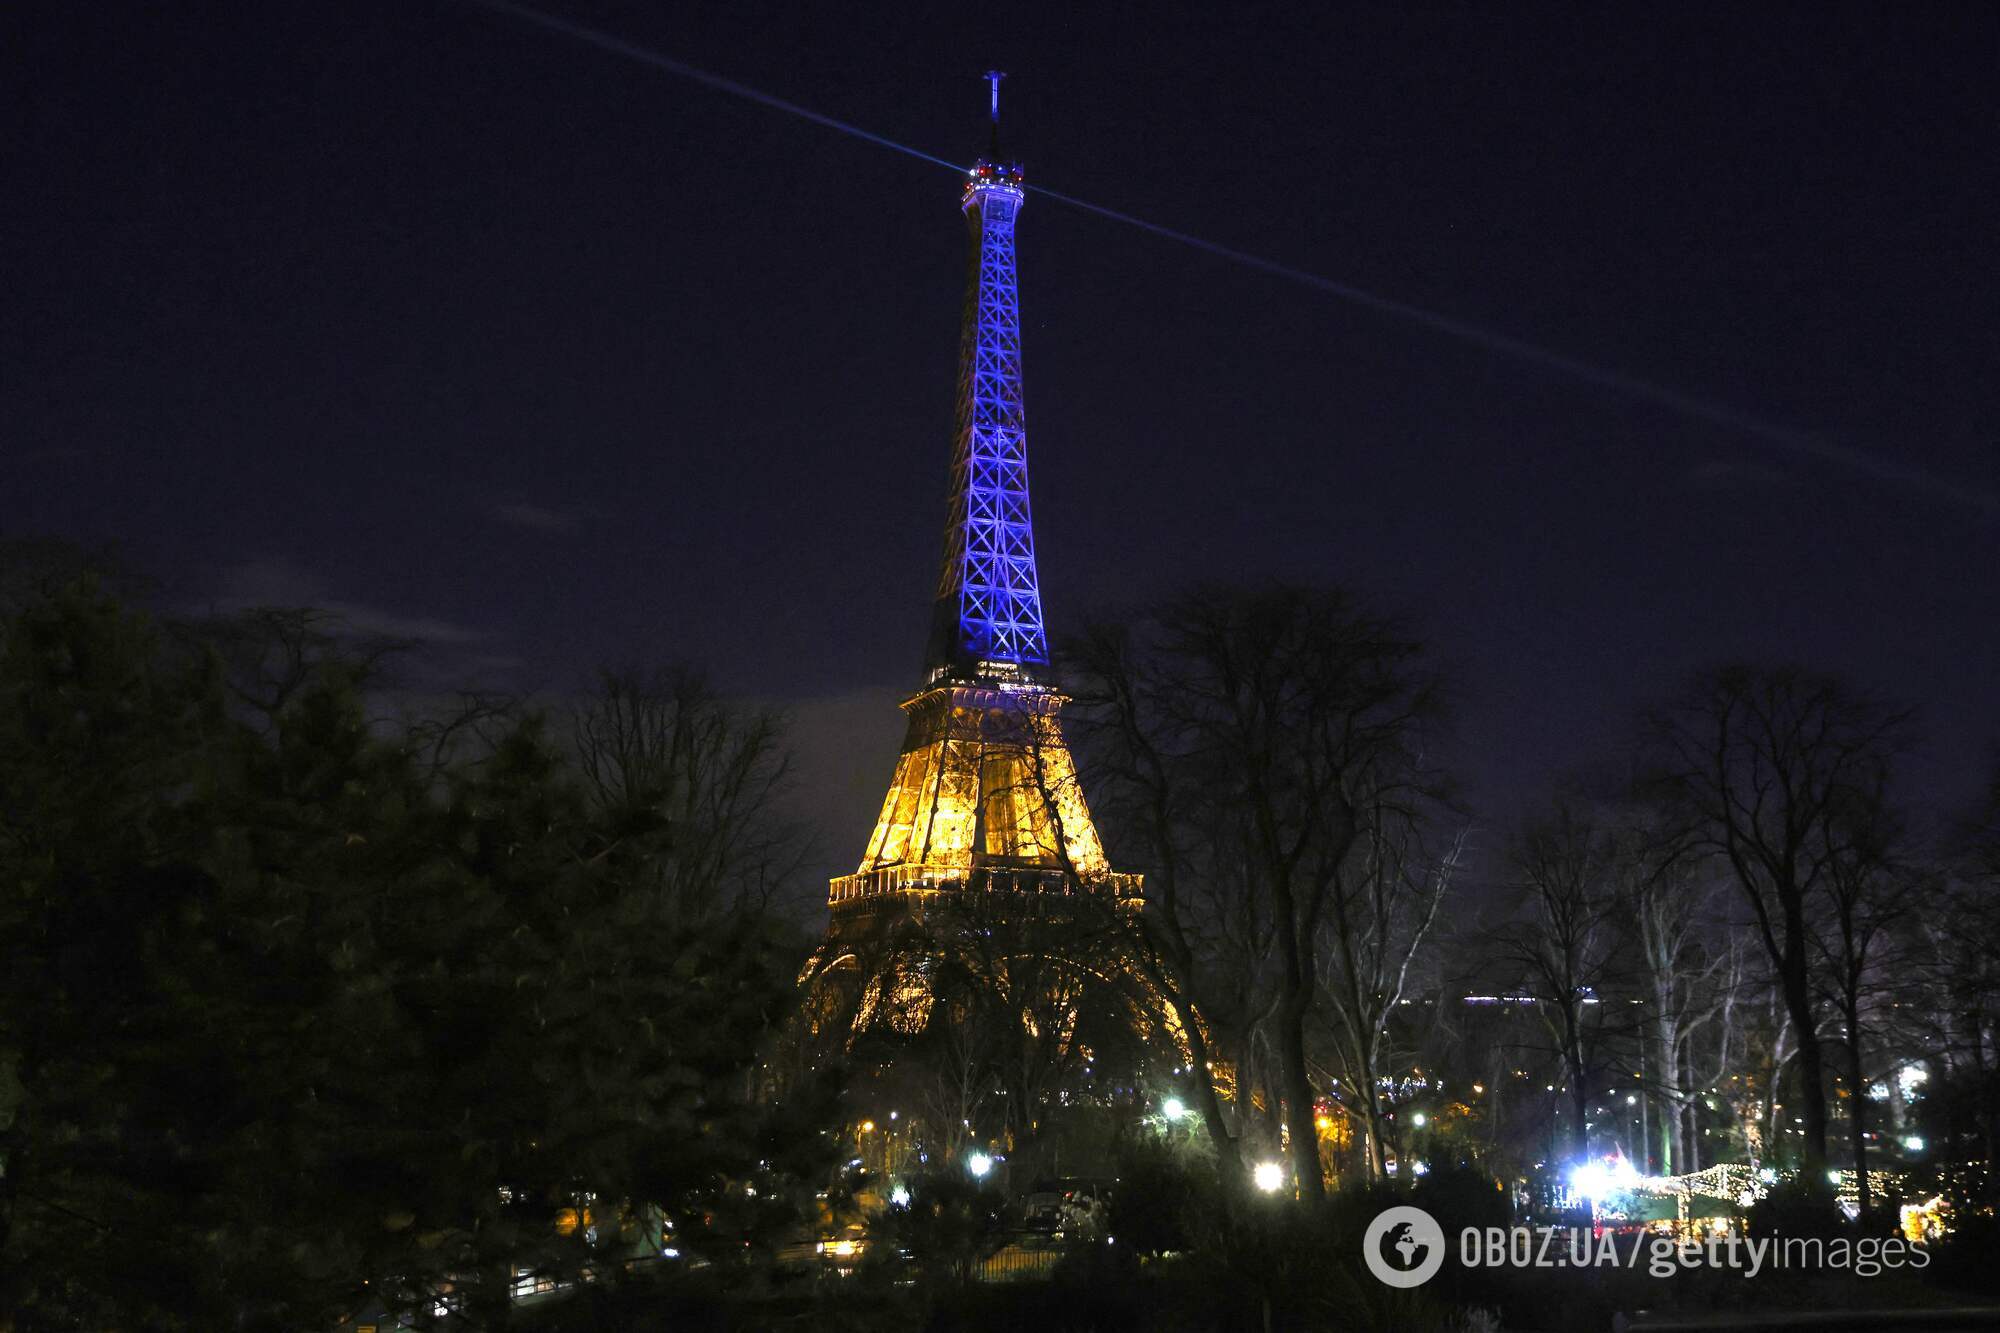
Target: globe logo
column 1403, row 1246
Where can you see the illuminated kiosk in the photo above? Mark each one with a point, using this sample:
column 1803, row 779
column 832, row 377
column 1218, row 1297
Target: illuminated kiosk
column 985, row 797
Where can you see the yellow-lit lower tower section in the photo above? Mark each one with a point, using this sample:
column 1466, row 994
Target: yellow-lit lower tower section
column 985, row 798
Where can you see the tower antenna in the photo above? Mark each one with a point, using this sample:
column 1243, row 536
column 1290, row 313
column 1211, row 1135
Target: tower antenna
column 993, row 77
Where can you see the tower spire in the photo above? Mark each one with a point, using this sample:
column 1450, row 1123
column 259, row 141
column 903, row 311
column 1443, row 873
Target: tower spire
column 993, row 77
column 987, row 620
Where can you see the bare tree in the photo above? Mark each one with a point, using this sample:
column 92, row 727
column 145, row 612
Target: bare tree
column 1951, row 1009
column 690, row 783
column 1977, row 978
column 1257, row 746
column 270, row 655
column 1380, row 912
column 1194, row 908
column 1666, row 903
column 1566, row 943
column 1029, row 975
column 1765, row 763
column 1729, row 988
column 958, row 1058
column 1863, row 895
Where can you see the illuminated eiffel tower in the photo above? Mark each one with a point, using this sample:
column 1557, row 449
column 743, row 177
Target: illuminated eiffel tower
column 985, row 798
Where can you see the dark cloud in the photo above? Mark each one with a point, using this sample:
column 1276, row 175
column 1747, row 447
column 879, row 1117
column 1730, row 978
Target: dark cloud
column 275, row 583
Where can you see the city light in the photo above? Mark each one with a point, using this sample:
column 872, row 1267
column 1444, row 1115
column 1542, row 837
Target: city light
column 1269, row 1177
column 979, row 1164
column 899, row 1197
column 1914, row 1143
column 1418, row 1120
column 1600, row 1180
column 1173, row 1108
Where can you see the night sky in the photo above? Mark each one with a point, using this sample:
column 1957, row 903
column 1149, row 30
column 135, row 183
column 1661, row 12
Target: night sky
column 473, row 332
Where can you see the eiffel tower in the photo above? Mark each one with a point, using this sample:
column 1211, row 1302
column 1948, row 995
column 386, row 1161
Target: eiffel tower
column 985, row 797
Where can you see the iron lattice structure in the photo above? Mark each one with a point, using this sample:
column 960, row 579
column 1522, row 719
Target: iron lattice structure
column 985, row 872
column 989, row 600
column 985, row 795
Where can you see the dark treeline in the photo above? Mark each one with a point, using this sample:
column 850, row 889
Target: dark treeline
column 311, row 1014
column 306, row 1014
column 1748, row 944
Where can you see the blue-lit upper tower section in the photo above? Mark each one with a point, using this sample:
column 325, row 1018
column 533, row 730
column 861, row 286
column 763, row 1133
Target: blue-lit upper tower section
column 985, row 796
column 988, row 618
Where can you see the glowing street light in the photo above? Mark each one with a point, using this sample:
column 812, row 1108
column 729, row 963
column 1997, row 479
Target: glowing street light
column 899, row 1197
column 1173, row 1108
column 979, row 1164
column 1268, row 1177
column 1419, row 1119
column 1598, row 1180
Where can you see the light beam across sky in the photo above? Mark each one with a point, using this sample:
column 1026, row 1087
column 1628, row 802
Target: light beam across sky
column 1785, row 439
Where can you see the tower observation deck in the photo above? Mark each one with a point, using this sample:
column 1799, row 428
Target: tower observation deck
column 985, row 795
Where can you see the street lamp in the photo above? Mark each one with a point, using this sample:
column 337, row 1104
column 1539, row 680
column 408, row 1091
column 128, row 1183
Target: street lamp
column 979, row 1164
column 1597, row 1181
column 1173, row 1108
column 1268, row 1177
